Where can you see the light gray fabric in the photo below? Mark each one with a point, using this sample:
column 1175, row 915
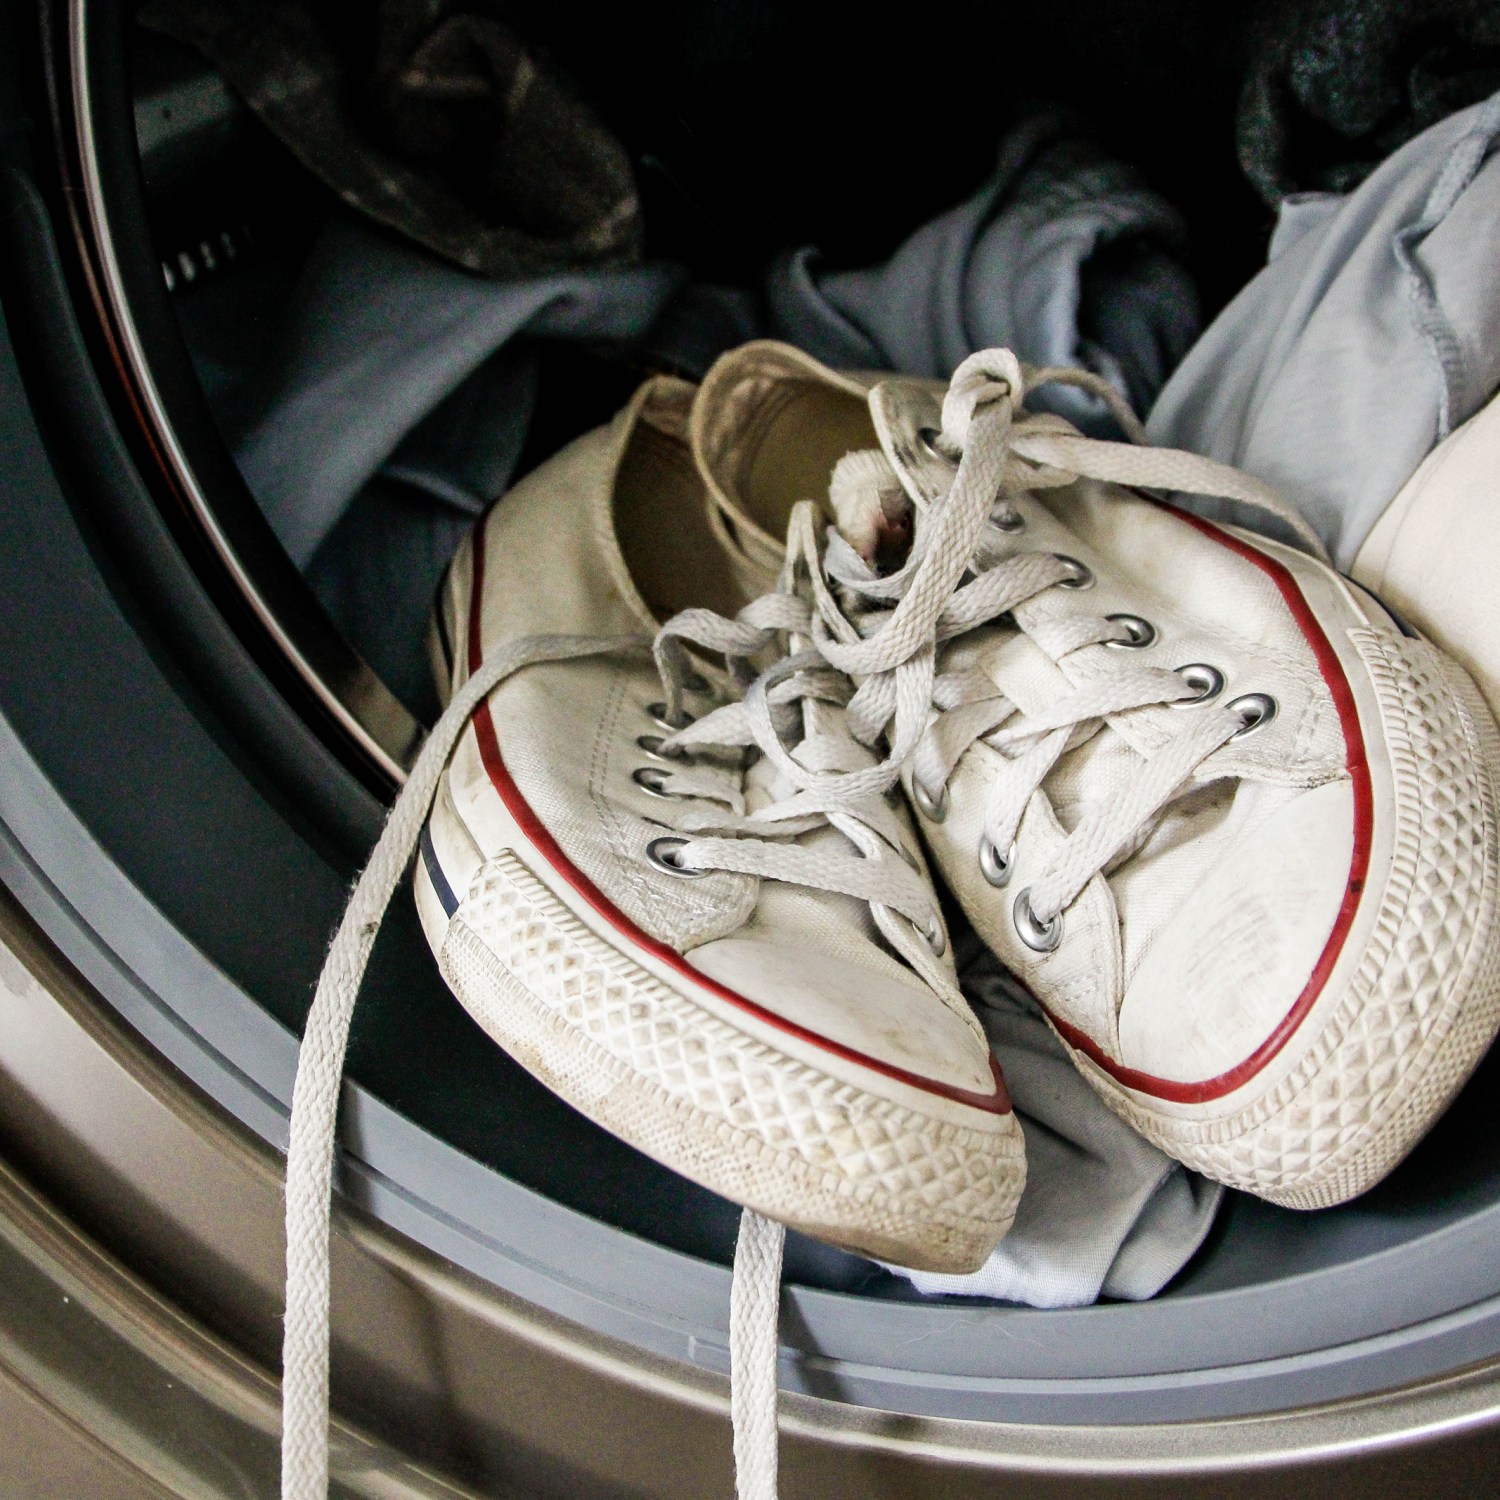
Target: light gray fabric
column 1063, row 256
column 1372, row 333
column 1104, row 1213
column 1299, row 214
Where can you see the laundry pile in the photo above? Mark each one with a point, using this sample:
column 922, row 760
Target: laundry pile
column 961, row 765
column 392, row 397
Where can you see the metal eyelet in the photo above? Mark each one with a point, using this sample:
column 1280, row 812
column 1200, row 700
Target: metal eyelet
column 1081, row 577
column 1040, row 937
column 928, row 437
column 659, row 857
column 652, row 745
column 653, row 781
column 994, row 866
column 1207, row 681
column 1255, row 711
column 933, row 935
column 1008, row 520
column 657, row 713
column 1139, row 633
column 934, row 809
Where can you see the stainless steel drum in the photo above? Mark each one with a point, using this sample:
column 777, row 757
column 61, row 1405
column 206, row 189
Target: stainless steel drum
column 192, row 763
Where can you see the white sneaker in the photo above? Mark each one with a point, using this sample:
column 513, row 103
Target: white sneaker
column 1230, row 823
column 743, row 975
column 741, row 972
column 1434, row 554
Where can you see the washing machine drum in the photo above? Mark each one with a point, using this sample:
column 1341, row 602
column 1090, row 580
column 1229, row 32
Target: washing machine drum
column 197, row 760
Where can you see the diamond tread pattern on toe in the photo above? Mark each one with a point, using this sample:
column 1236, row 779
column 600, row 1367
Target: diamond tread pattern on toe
column 870, row 1146
column 1425, row 999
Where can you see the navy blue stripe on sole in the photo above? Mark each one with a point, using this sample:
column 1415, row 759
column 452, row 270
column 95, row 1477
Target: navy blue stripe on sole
column 435, row 874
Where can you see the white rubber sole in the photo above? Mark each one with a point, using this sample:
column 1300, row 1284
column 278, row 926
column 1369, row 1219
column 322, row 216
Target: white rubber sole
column 851, row 1159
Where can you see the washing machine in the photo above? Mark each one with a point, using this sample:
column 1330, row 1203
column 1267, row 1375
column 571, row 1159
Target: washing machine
column 195, row 758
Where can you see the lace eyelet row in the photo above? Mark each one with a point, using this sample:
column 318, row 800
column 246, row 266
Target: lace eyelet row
column 1254, row 710
column 653, row 779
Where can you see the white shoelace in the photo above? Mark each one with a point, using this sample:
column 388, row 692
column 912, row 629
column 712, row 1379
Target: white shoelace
column 791, row 703
column 965, row 571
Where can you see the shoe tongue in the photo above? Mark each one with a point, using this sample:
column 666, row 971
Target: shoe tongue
column 871, row 510
column 768, row 425
column 874, row 493
column 908, row 416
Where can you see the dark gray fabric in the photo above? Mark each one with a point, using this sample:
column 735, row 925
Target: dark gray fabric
column 378, row 339
column 391, row 408
column 434, row 118
column 377, row 576
column 1063, row 255
column 462, row 453
column 699, row 324
column 1371, row 335
column 378, row 566
column 1334, row 86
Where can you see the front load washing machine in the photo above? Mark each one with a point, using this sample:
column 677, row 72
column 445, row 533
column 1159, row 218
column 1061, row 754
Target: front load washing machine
column 194, row 760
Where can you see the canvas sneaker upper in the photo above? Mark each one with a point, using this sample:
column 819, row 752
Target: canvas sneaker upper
column 818, row 1059
column 1433, row 555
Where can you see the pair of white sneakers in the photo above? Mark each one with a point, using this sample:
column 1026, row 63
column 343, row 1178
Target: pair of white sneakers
column 1227, row 819
column 1229, row 822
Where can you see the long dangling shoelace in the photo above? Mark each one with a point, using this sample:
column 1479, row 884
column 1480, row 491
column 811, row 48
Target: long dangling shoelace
column 961, row 574
column 964, row 572
column 790, row 714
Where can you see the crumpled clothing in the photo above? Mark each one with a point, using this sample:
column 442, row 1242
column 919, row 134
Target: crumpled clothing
column 1335, row 86
column 379, row 341
column 1104, row 1212
column 1372, row 333
column 434, row 118
column 392, row 366
column 1064, row 256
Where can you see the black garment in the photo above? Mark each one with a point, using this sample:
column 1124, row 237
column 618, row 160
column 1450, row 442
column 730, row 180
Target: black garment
column 434, row 118
column 1335, row 86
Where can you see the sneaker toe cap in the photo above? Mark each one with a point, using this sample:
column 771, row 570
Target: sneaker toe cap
column 896, row 1021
